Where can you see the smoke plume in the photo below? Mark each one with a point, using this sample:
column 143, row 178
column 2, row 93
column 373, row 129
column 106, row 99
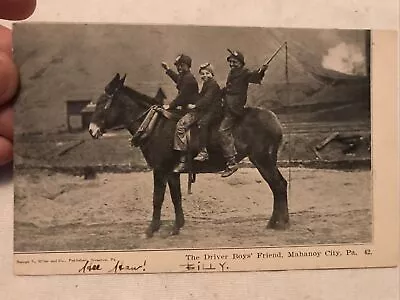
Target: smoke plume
column 345, row 58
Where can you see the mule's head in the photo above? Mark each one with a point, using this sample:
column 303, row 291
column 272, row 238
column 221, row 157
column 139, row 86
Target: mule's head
column 108, row 111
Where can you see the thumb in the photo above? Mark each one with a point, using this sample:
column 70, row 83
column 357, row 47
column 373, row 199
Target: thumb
column 8, row 78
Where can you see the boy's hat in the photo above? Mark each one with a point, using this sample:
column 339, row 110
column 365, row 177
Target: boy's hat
column 208, row 67
column 237, row 55
column 183, row 59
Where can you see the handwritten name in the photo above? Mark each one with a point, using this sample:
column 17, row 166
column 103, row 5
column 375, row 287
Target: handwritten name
column 119, row 267
column 191, row 266
column 89, row 267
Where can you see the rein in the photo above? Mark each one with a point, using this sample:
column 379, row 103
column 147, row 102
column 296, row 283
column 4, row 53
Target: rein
column 143, row 114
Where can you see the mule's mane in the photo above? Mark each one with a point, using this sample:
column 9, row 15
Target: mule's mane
column 139, row 97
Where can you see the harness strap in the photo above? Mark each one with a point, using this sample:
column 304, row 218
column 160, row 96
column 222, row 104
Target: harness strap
column 143, row 114
column 150, row 118
column 167, row 114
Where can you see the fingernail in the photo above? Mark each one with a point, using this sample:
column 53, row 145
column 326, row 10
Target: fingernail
column 8, row 78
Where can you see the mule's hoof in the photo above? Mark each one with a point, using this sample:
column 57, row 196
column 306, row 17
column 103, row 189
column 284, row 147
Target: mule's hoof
column 175, row 231
column 278, row 225
column 145, row 236
column 151, row 229
column 149, row 233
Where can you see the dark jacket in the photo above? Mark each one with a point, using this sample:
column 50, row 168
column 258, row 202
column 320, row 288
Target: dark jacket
column 237, row 84
column 188, row 89
column 210, row 98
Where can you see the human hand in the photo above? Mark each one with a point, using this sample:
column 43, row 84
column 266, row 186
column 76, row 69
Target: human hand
column 9, row 10
column 191, row 106
column 165, row 66
column 264, row 67
column 165, row 106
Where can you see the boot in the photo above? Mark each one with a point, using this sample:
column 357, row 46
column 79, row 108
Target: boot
column 202, row 156
column 231, row 167
column 181, row 166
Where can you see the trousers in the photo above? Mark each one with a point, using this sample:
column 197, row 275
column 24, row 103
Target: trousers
column 181, row 139
column 204, row 128
column 225, row 131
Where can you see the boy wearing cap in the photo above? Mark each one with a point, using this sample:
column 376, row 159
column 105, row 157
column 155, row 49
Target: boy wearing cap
column 188, row 90
column 186, row 83
column 235, row 97
column 208, row 105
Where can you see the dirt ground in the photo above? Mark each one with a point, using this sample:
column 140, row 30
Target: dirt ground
column 59, row 212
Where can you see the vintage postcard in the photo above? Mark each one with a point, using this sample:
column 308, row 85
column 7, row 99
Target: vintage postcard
column 166, row 148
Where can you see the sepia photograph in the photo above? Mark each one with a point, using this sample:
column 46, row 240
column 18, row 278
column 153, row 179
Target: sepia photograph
column 164, row 137
column 107, row 122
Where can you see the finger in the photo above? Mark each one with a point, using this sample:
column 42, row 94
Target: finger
column 6, row 122
column 16, row 9
column 5, row 40
column 8, row 78
column 6, row 151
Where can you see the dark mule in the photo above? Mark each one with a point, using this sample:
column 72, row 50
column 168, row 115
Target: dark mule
column 258, row 136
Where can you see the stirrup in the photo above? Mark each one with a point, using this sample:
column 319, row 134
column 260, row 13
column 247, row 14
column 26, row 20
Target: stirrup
column 202, row 156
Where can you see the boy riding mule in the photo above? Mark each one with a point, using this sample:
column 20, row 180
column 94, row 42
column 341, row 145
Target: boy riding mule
column 258, row 135
column 187, row 97
column 235, row 97
column 207, row 108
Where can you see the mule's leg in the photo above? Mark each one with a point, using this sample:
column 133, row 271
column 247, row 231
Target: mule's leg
column 174, row 184
column 266, row 165
column 160, row 183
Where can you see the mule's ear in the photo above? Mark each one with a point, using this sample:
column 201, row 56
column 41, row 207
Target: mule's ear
column 117, row 76
column 160, row 96
column 122, row 80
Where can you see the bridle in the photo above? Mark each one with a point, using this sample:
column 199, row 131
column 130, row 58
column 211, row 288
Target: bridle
column 110, row 98
column 142, row 117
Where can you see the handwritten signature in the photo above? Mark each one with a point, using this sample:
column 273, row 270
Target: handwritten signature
column 119, row 267
column 190, row 266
